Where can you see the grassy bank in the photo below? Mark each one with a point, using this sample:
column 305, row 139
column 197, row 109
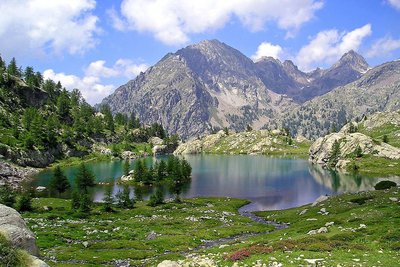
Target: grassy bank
column 361, row 230
column 143, row 236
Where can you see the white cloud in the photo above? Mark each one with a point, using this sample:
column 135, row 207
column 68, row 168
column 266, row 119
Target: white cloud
column 383, row 47
column 395, row 3
column 266, row 49
column 328, row 46
column 92, row 84
column 41, row 26
column 171, row 21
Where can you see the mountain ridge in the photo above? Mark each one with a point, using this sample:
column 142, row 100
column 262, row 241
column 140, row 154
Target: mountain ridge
column 210, row 85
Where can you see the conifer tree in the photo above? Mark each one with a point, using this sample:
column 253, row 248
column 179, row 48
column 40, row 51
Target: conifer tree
column 126, row 167
column 84, row 178
column 59, row 182
column 108, row 200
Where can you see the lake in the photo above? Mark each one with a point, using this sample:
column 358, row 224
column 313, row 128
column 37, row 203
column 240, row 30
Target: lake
column 269, row 182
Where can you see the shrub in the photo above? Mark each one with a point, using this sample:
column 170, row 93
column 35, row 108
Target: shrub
column 24, row 202
column 382, row 185
column 8, row 255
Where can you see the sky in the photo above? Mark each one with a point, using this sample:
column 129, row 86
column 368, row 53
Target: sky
column 96, row 46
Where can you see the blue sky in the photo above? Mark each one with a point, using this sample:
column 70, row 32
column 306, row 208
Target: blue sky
column 98, row 45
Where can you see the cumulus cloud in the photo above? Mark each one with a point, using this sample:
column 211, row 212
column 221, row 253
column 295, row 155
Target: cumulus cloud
column 40, row 26
column 266, row 49
column 93, row 85
column 395, row 3
column 172, row 21
column 383, row 47
column 328, row 46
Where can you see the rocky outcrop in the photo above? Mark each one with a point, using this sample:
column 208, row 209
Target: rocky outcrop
column 252, row 142
column 13, row 175
column 321, row 149
column 13, row 227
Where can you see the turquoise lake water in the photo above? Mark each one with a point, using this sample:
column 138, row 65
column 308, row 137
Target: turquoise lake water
column 269, row 182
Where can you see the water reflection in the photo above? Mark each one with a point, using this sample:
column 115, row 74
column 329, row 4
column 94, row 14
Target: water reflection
column 270, row 183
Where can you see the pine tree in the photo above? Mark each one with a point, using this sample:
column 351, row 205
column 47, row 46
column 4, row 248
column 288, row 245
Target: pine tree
column 13, row 69
column 59, row 182
column 85, row 203
column 25, row 202
column 161, row 171
column 124, row 200
column 358, row 152
column 108, row 200
column 126, row 167
column 84, row 178
column 335, row 154
column 75, row 199
column 157, row 198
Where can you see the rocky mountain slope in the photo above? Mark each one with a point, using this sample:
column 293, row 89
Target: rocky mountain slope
column 251, row 142
column 377, row 136
column 211, row 85
column 198, row 88
column 376, row 90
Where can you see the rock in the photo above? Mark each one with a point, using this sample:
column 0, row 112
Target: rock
column 155, row 141
column 13, row 174
column 40, row 188
column 321, row 149
column 126, row 178
column 312, row 232
column 128, row 155
column 303, row 212
column 36, row 262
column 322, row 230
column 223, row 246
column 13, row 227
column 328, row 224
column 151, row 236
column 362, row 226
column 313, row 261
column 159, row 149
column 319, row 200
column 168, row 263
column 85, row 244
column 394, row 199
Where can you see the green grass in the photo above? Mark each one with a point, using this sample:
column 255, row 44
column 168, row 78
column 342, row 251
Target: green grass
column 122, row 234
column 374, row 166
column 390, row 130
column 182, row 227
column 347, row 242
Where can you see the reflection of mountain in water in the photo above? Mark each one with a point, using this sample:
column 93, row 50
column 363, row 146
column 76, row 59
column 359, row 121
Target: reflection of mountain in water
column 341, row 182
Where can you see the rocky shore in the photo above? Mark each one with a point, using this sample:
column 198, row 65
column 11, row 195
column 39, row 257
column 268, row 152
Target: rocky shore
column 14, row 175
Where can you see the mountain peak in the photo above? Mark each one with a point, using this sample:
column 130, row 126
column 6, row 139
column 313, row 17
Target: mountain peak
column 353, row 60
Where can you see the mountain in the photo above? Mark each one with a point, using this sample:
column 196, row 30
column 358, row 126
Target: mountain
column 210, row 85
column 286, row 78
column 199, row 88
column 377, row 90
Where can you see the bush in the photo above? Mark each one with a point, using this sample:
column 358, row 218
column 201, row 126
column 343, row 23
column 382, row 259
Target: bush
column 8, row 255
column 24, row 202
column 382, row 185
column 7, row 196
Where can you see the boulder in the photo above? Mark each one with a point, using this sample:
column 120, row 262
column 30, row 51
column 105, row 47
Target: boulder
column 128, row 155
column 155, row 141
column 159, row 149
column 168, row 263
column 319, row 200
column 13, row 227
column 321, row 149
